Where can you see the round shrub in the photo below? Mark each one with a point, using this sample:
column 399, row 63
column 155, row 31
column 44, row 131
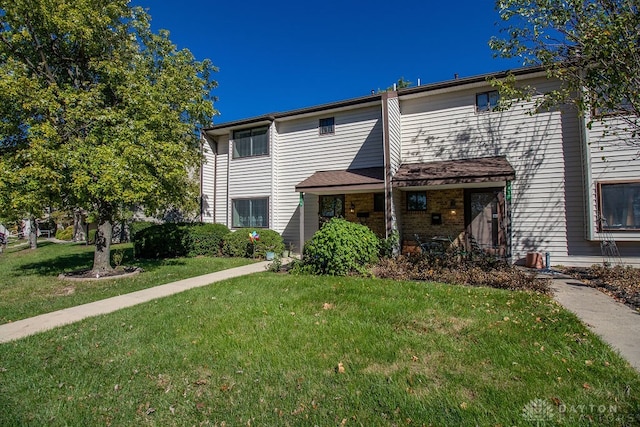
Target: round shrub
column 172, row 240
column 136, row 226
column 206, row 239
column 65, row 233
column 339, row 248
column 238, row 244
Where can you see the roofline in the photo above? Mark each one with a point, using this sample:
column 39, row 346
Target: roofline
column 307, row 110
column 268, row 118
column 470, row 80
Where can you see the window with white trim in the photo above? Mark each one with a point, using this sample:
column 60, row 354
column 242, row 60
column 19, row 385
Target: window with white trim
column 619, row 206
column 250, row 142
column 250, row 213
column 487, row 101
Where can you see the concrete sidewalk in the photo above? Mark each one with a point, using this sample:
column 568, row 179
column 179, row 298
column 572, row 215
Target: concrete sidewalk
column 617, row 324
column 33, row 325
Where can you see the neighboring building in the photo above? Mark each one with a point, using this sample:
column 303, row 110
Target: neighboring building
column 432, row 160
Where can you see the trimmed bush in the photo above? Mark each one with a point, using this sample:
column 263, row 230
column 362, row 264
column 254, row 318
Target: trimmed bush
column 172, row 240
column 206, row 239
column 339, row 248
column 237, row 243
column 65, row 234
column 137, row 226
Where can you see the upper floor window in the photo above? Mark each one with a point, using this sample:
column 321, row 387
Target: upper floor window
column 250, row 142
column 327, row 126
column 416, row 201
column 250, row 213
column 487, row 101
column 620, row 206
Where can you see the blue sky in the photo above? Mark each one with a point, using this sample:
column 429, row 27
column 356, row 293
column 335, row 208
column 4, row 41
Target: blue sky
column 281, row 55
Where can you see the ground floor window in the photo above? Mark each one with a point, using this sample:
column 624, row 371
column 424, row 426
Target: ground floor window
column 251, row 213
column 619, row 206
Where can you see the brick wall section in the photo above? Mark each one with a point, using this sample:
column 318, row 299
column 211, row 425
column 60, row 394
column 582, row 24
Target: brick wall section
column 438, row 201
column 364, row 204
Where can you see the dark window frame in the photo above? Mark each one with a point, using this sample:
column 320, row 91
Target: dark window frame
column 378, row 202
column 603, row 208
column 327, row 126
column 250, row 139
column 251, row 199
column 411, row 206
column 488, row 107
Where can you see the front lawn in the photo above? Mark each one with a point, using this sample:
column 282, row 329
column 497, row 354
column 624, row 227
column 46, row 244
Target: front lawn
column 273, row 349
column 29, row 283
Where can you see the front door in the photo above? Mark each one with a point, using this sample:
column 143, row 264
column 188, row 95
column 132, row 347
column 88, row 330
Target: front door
column 485, row 220
column 330, row 207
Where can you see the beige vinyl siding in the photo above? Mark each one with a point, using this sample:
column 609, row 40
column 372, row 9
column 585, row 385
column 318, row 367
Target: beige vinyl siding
column 395, row 134
column 446, row 126
column 222, row 175
column 614, row 158
column 356, row 143
column 250, row 177
column 208, row 183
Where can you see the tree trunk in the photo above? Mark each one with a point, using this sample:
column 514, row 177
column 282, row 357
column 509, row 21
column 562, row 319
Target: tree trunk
column 78, row 226
column 33, row 233
column 102, row 254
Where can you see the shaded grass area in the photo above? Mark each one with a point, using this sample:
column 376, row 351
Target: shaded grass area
column 30, row 286
column 272, row 349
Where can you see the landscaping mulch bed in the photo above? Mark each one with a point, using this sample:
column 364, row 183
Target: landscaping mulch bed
column 620, row 282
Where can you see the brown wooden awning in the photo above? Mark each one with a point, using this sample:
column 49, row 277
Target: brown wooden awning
column 486, row 169
column 368, row 179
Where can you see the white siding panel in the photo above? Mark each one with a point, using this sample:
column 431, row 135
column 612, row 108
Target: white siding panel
column 221, row 194
column 446, row 126
column 208, row 183
column 356, row 143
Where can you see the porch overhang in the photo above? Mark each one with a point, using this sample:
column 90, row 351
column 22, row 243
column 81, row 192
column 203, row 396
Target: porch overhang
column 454, row 172
column 343, row 181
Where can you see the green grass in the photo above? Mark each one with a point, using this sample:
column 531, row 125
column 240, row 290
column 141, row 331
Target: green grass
column 29, row 284
column 265, row 349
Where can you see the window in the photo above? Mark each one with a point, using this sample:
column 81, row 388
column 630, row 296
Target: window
column 620, row 206
column 250, row 213
column 416, row 201
column 487, row 101
column 327, row 126
column 250, row 142
column 378, row 202
column 332, row 206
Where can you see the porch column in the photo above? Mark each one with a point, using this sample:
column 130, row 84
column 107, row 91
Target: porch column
column 301, row 212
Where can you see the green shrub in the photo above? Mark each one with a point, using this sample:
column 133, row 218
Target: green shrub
column 137, row 226
column 206, row 239
column 237, row 244
column 92, row 236
column 339, row 248
column 176, row 240
column 65, row 234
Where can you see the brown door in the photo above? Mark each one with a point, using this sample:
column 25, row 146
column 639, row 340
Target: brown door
column 485, row 219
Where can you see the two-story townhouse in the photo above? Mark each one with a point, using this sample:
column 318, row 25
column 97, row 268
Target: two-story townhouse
column 437, row 161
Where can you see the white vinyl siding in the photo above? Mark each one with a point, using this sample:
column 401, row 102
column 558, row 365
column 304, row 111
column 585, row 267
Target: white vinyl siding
column 222, row 176
column 208, row 183
column 445, row 127
column 356, row 143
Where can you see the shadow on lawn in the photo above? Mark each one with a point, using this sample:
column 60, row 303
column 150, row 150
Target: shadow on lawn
column 84, row 261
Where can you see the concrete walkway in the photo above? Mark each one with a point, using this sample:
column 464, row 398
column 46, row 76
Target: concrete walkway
column 33, row 325
column 617, row 324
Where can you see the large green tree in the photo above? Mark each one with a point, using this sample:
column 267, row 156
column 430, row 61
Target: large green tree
column 97, row 111
column 592, row 46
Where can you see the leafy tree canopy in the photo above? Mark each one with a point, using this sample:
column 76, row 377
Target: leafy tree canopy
column 96, row 110
column 590, row 45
